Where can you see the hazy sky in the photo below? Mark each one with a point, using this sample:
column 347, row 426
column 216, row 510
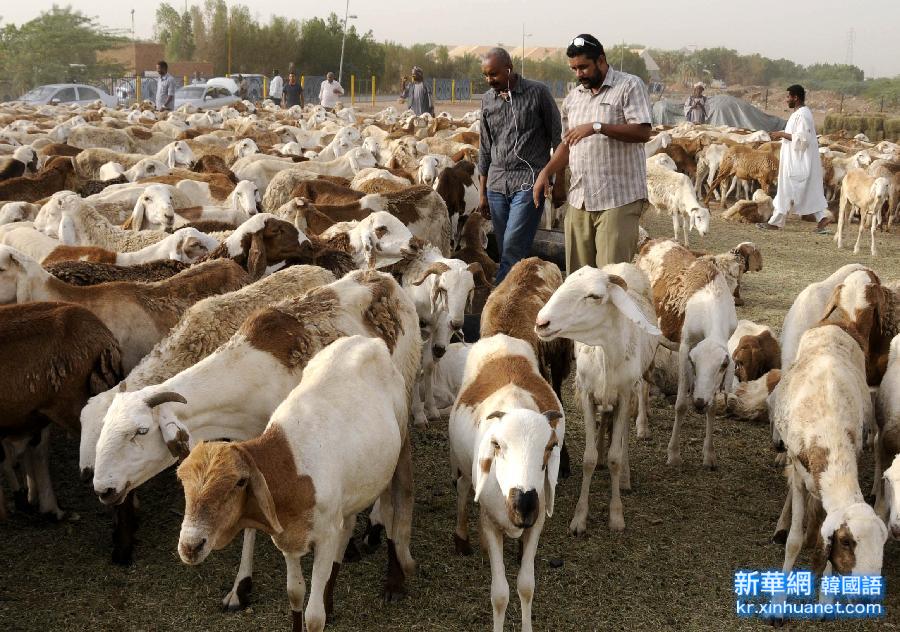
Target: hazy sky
column 805, row 31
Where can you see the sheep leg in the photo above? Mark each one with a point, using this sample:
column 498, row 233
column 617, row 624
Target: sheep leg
column 420, row 420
column 322, row 571
column 579, row 521
column 876, row 221
column 676, row 223
column 616, row 448
column 525, row 580
column 878, row 481
column 681, row 406
column 859, row 234
column 784, row 520
column 643, row 397
column 626, row 462
column 239, row 596
column 296, row 588
column 842, row 213
column 461, row 535
column 493, row 540
column 795, row 535
column 40, row 458
column 431, row 409
column 346, row 538
column 709, row 454
column 400, row 560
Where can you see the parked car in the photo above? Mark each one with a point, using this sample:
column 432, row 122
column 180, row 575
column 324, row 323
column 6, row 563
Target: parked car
column 204, row 95
column 56, row 93
column 125, row 89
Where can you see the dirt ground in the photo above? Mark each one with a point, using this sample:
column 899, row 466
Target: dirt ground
column 687, row 529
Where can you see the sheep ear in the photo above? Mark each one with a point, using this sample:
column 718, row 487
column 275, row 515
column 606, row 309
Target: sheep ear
column 551, row 479
column 67, row 233
column 481, row 468
column 170, row 157
column 256, row 257
column 354, row 163
column 833, row 302
column 615, row 278
column 630, row 310
column 478, row 272
column 137, row 215
column 263, row 497
column 175, row 435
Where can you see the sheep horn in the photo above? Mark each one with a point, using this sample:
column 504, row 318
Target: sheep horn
column 161, row 398
column 435, row 268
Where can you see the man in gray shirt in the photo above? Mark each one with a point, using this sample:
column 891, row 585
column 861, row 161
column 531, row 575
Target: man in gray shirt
column 165, row 89
column 417, row 93
column 520, row 124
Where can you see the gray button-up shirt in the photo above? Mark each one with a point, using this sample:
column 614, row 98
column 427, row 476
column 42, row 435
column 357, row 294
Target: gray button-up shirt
column 607, row 173
column 530, row 122
column 164, row 89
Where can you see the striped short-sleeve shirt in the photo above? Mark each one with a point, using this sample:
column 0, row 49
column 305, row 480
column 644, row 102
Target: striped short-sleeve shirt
column 607, row 173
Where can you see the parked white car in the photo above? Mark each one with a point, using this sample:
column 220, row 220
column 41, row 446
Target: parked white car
column 57, row 93
column 204, row 96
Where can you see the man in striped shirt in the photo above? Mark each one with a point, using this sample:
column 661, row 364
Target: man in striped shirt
column 606, row 121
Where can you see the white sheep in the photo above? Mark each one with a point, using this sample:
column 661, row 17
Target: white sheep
column 506, row 432
column 865, row 194
column 269, row 352
column 617, row 338
column 819, row 408
column 808, row 309
column 673, row 192
column 694, row 307
column 303, row 476
column 89, row 161
column 887, row 443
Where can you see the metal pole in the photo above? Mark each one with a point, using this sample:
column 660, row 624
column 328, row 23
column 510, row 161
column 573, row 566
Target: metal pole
column 523, row 49
column 228, row 74
column 343, row 41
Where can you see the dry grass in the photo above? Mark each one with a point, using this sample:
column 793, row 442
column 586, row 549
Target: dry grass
column 687, row 530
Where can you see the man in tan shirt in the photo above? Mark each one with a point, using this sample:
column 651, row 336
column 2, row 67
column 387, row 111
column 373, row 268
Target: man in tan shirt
column 605, row 121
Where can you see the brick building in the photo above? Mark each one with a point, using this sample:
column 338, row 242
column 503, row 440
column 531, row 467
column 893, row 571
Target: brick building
column 141, row 57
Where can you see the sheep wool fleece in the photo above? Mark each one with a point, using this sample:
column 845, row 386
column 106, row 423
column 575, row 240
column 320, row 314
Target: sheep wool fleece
column 596, row 238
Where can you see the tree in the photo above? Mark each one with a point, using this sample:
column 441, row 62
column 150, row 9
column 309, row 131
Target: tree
column 174, row 32
column 59, row 45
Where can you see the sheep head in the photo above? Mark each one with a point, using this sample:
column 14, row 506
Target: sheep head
column 891, row 496
column 245, row 197
column 141, row 436
column 579, row 308
column 521, row 448
column 224, row 492
column 853, row 538
column 699, row 220
column 711, row 369
column 154, row 209
column 382, row 240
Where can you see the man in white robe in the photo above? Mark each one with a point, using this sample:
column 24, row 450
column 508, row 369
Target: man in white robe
column 801, row 189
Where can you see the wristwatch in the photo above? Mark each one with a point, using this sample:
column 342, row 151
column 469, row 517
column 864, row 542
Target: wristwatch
column 597, row 127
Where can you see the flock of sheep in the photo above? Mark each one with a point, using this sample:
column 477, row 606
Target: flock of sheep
column 291, row 281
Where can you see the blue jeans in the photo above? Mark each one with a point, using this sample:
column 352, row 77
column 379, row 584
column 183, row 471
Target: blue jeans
column 516, row 220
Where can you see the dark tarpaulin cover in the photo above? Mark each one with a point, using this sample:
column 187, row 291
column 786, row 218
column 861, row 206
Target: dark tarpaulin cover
column 721, row 109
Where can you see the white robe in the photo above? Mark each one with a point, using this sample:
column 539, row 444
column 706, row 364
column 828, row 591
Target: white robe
column 801, row 189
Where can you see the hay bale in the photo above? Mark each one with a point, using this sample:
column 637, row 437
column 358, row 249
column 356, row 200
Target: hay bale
column 892, row 129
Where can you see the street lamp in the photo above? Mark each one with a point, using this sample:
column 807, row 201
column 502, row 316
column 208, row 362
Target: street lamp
column 524, row 35
column 344, row 39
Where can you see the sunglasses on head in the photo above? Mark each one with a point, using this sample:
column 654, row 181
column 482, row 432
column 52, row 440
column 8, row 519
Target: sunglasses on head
column 580, row 42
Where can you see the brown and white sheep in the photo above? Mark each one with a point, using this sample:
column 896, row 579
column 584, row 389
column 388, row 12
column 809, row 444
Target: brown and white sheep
column 138, row 314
